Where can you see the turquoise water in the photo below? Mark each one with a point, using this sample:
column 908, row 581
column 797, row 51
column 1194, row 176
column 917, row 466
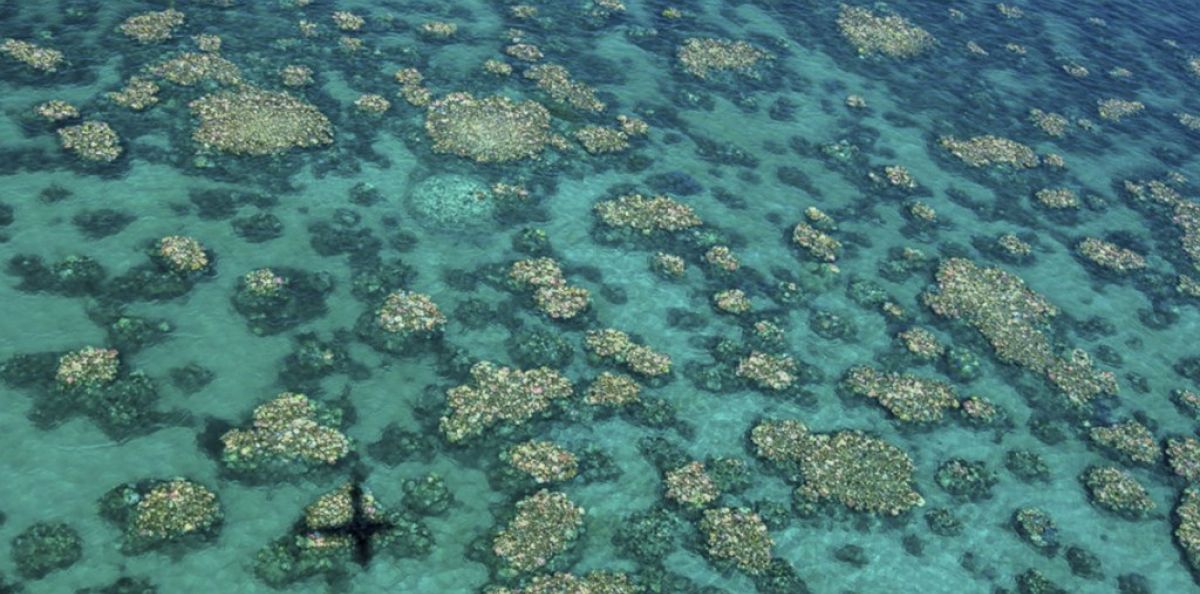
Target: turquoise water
column 748, row 150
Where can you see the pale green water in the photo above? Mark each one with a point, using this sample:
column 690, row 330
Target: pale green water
column 58, row 474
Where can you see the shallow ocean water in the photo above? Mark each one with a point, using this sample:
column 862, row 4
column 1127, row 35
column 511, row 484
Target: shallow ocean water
column 748, row 152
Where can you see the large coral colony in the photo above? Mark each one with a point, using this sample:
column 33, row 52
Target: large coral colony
column 322, row 93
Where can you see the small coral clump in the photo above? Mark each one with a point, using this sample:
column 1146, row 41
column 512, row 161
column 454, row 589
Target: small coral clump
column 599, row 140
column 251, row 121
column 1110, row 256
column 138, row 94
column 620, row 348
column 438, row 29
column 152, row 27
column 722, row 258
column 407, row 312
column 701, row 57
column 56, row 110
column 290, row 428
column 493, row 129
column 1051, row 123
column 38, row 58
column 348, row 21
column 921, row 212
column 979, row 411
column 182, row 254
column 89, row 367
column 296, row 75
column 174, row 509
column 899, row 176
column 1037, row 528
column 632, row 126
column 891, row 35
column 263, row 282
column 739, row 536
column 526, row 52
column 560, row 301
column 1183, row 456
column 536, row 272
column 1013, row 246
column 921, row 343
column 91, row 141
column 668, row 265
column 646, row 215
column 1117, row 109
column 864, row 473
column 557, row 82
column 499, row 394
column 1131, row 439
column 372, row 104
column 819, row 218
column 552, row 295
column 771, row 372
column 981, row 151
column 1187, row 528
column 732, row 301
column 613, row 389
column 546, row 523
column 1057, row 198
column 331, row 510
column 909, row 398
column 691, row 486
column 545, row 461
column 1117, row 491
column 206, row 42
column 412, row 88
column 595, row 582
column 1190, row 121
column 192, row 68
column 497, row 67
column 819, row 245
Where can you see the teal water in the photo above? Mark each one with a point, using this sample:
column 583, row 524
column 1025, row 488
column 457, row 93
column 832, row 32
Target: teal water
column 748, row 151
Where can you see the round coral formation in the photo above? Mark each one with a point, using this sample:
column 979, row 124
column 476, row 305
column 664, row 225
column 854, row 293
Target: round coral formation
column 499, row 394
column 263, row 282
column 38, row 58
column 88, row 367
column 771, row 372
column 982, row 151
column 1117, row 491
column 891, row 35
column 545, row 461
column 647, row 215
column 451, row 201
column 172, row 510
column 405, row 312
column 152, row 27
column 691, row 486
column 546, row 523
column 57, row 110
column 819, row 245
column 91, row 141
column 489, row 130
column 182, row 254
column 290, row 432
column 613, row 389
column 617, row 346
column 702, row 57
column 738, row 536
column 862, row 472
column 909, row 398
column 252, row 121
